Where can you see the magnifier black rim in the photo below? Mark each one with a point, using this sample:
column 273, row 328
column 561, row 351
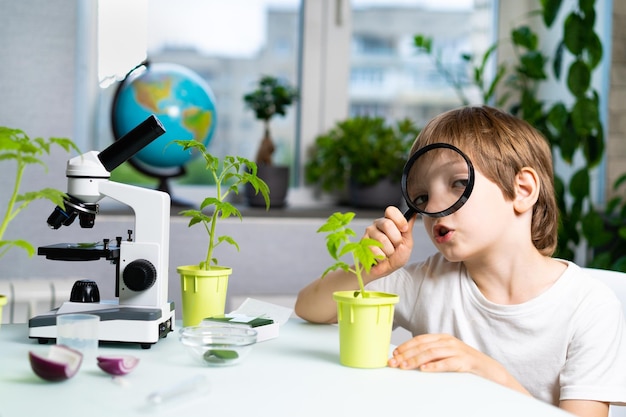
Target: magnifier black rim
column 462, row 199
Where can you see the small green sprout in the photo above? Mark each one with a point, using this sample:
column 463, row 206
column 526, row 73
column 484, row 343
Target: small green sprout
column 339, row 243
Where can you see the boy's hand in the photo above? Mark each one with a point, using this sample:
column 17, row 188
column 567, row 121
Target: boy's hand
column 445, row 353
column 396, row 235
column 439, row 353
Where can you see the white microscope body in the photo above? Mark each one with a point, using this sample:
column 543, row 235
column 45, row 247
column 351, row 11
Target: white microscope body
column 142, row 313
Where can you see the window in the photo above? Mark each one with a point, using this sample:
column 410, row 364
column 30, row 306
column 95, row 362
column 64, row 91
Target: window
column 230, row 45
column 357, row 58
column 389, row 78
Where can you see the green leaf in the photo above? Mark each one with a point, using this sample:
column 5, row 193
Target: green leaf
column 578, row 78
column 587, row 6
column 557, row 118
column 524, row 37
column 579, row 184
column 557, row 65
column 423, row 42
column 550, row 9
column 594, row 230
column 593, row 149
column 568, row 141
column 227, row 209
column 532, row 64
column 51, row 194
column 339, row 265
column 575, row 33
column 585, row 116
column 228, row 240
column 65, row 143
column 19, row 243
column 619, row 181
column 594, row 51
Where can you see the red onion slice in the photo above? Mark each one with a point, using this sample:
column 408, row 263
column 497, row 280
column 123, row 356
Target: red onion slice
column 117, row 365
column 60, row 364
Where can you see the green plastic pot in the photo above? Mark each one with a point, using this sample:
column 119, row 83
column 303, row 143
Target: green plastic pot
column 3, row 302
column 203, row 292
column 365, row 326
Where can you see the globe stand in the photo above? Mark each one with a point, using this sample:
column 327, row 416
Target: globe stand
column 163, row 176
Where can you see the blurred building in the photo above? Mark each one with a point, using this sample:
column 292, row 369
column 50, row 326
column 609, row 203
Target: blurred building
column 388, row 77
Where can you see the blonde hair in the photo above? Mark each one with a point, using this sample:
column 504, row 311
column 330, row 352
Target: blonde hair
column 500, row 145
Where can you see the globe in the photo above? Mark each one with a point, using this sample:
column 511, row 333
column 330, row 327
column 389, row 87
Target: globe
column 179, row 98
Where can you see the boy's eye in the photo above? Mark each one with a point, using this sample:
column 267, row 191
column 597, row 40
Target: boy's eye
column 460, row 184
column 421, row 200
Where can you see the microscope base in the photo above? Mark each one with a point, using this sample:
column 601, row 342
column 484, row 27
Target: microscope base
column 118, row 324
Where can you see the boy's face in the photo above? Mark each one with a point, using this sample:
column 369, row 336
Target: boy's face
column 438, row 181
column 479, row 228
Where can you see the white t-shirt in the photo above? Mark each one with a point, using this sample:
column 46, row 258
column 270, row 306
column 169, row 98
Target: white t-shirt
column 567, row 343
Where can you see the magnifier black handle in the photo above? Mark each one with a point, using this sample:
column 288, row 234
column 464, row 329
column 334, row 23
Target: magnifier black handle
column 128, row 145
column 408, row 215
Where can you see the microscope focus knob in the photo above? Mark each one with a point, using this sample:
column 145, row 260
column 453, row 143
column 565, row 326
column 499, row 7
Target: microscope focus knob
column 139, row 275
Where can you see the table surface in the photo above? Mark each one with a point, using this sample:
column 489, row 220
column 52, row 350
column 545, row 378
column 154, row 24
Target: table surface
column 296, row 374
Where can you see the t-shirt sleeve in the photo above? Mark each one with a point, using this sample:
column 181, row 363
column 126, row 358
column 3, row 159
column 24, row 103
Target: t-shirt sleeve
column 595, row 368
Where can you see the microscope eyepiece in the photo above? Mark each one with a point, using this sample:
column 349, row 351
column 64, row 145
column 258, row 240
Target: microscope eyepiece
column 132, row 142
column 65, row 216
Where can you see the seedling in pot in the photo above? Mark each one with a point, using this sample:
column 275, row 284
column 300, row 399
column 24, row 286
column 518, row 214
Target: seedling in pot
column 339, row 244
column 229, row 174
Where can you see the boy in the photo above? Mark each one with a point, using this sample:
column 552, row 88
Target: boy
column 492, row 301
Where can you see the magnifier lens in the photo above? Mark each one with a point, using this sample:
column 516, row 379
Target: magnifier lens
column 437, row 180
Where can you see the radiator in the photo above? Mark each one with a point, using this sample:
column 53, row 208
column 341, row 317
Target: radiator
column 29, row 297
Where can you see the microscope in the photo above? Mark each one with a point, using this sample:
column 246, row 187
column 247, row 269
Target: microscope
column 141, row 312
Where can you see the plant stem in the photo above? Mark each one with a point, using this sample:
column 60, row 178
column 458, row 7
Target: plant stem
column 209, row 256
column 9, row 214
column 357, row 271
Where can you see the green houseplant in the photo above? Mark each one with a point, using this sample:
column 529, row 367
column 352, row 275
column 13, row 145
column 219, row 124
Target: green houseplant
column 271, row 97
column 361, row 159
column 365, row 317
column 204, row 285
column 16, row 146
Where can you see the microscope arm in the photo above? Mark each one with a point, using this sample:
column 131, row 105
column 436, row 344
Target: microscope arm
column 151, row 208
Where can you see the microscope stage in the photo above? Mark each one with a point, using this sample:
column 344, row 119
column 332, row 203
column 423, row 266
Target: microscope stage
column 79, row 251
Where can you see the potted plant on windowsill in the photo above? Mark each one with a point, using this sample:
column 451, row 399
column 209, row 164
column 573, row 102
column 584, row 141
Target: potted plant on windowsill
column 272, row 97
column 360, row 160
column 204, row 285
column 365, row 317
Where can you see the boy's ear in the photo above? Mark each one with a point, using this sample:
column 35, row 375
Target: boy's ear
column 527, row 186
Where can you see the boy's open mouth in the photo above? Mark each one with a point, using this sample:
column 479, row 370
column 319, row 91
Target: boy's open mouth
column 441, row 231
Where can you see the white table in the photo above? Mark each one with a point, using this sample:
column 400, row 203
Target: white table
column 297, row 374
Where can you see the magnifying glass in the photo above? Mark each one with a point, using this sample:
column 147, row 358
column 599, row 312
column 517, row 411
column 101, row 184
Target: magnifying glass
column 437, row 180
